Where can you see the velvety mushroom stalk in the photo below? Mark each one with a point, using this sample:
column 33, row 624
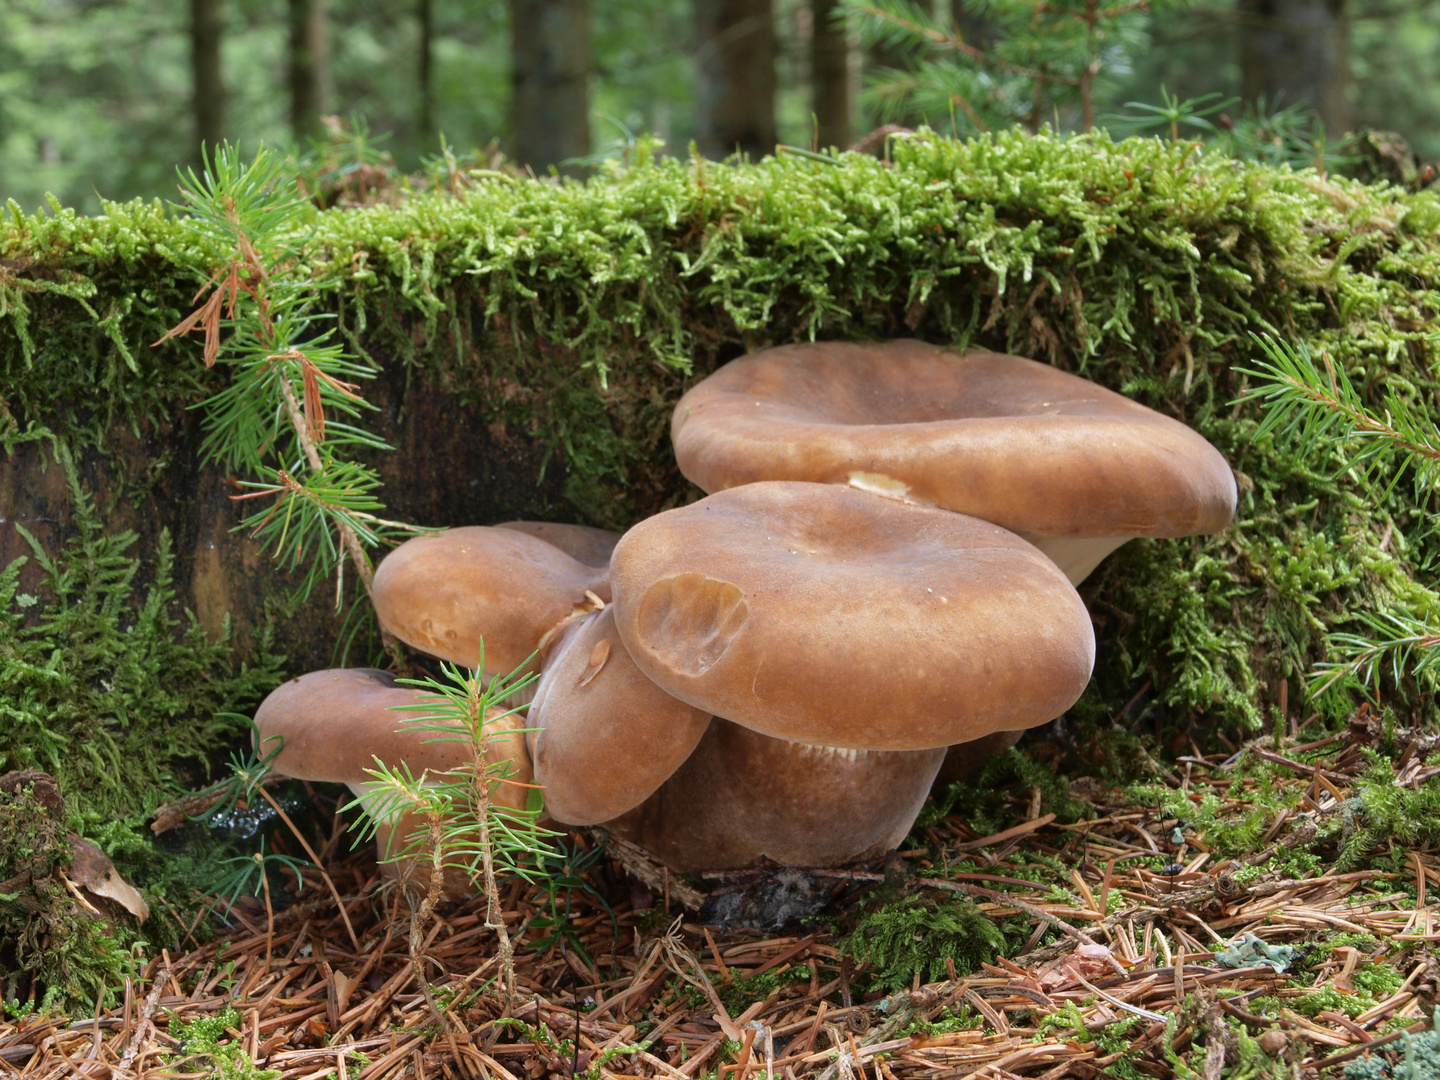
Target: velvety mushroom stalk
column 743, row 797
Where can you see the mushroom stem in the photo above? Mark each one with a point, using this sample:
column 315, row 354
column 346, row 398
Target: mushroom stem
column 351, row 542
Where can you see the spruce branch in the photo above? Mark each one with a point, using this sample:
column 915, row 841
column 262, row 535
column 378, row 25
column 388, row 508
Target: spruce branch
column 1313, row 407
column 1323, row 410
column 294, row 390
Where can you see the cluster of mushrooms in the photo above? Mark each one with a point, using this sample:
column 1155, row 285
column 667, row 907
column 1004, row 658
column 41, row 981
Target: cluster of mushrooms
column 878, row 590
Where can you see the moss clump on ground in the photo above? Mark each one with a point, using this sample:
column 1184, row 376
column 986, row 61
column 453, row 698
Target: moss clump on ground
column 43, row 931
column 915, row 936
column 206, row 1037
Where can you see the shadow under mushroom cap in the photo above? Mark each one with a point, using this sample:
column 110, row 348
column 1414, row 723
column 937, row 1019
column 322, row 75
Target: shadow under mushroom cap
column 742, row 797
column 583, row 543
column 826, row 615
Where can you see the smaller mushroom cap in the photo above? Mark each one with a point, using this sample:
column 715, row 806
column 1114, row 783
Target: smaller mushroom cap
column 445, row 593
column 335, row 723
column 742, row 797
column 583, row 543
column 604, row 737
column 825, row 615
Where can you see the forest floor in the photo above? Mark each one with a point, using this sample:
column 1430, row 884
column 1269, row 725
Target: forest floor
column 1122, row 972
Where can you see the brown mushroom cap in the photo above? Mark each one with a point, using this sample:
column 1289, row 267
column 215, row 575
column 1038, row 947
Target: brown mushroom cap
column 826, row 615
column 583, row 543
column 1043, row 453
column 743, row 796
column 446, row 592
column 335, row 723
column 603, row 736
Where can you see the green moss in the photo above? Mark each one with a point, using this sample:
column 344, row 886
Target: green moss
column 984, row 800
column 124, row 701
column 1068, row 1023
column 43, row 930
column 1382, row 811
column 206, row 1037
column 1377, row 980
column 915, row 937
column 965, row 1019
column 102, row 683
column 576, row 314
column 1327, row 998
column 744, row 992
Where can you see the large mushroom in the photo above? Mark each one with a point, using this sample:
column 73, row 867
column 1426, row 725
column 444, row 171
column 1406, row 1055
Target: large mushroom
column 826, row 615
column 847, row 640
column 333, row 725
column 1074, row 468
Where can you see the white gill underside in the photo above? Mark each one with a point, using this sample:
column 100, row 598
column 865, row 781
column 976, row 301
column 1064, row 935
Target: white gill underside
column 1075, row 556
column 838, row 755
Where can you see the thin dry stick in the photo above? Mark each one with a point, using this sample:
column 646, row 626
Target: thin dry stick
column 147, row 1010
column 334, row 892
column 421, row 915
column 269, row 910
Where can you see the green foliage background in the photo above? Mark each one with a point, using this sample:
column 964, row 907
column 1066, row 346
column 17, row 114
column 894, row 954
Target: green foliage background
column 94, row 94
column 578, row 313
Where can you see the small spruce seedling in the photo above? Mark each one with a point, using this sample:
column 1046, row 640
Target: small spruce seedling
column 464, row 828
column 1317, row 406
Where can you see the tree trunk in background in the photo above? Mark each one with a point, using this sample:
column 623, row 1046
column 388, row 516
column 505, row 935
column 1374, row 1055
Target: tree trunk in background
column 1297, row 50
column 209, row 92
column 309, row 66
column 550, row 81
column 735, row 77
column 830, row 74
column 427, row 73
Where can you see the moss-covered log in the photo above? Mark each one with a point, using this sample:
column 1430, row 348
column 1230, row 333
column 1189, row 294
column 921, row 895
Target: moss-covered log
column 531, row 338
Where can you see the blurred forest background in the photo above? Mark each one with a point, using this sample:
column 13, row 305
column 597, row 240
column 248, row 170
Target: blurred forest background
column 103, row 98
